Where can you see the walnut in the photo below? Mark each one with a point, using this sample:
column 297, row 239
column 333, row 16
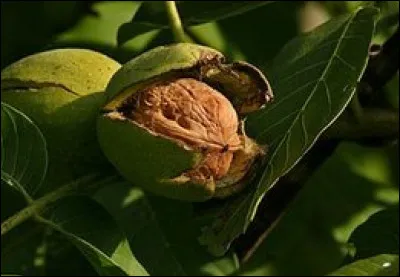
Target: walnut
column 194, row 113
column 174, row 122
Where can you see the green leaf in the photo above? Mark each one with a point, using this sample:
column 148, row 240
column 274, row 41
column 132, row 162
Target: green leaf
column 227, row 225
column 237, row 38
column 23, row 151
column 98, row 31
column 94, row 232
column 152, row 15
column 313, row 78
column 162, row 232
column 193, row 13
column 381, row 265
column 383, row 227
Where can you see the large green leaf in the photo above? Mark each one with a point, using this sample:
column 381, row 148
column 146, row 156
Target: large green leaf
column 314, row 78
column 23, row 151
column 381, row 265
column 153, row 15
column 383, row 227
column 162, row 233
column 93, row 231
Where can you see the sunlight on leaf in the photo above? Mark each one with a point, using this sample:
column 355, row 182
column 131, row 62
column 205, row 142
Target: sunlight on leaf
column 193, row 13
column 99, row 31
column 101, row 28
column 152, row 15
column 381, row 265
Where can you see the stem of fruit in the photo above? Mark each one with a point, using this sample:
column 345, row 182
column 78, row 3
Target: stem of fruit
column 38, row 206
column 175, row 21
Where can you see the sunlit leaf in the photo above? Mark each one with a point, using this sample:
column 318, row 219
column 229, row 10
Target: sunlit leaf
column 381, row 265
column 98, row 30
column 252, row 36
column 153, row 15
column 192, row 12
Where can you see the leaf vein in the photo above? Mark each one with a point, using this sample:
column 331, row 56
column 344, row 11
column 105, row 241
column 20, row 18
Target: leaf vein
column 277, row 123
column 304, row 128
column 276, row 104
column 305, row 69
column 328, row 97
column 345, row 63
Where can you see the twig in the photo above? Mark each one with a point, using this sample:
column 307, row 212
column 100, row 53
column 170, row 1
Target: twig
column 175, row 21
column 377, row 123
column 37, row 206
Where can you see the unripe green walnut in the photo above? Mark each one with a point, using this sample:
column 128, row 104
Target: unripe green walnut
column 174, row 122
column 62, row 91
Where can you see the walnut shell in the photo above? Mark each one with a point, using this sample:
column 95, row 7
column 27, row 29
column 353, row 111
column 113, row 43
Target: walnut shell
column 174, row 125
